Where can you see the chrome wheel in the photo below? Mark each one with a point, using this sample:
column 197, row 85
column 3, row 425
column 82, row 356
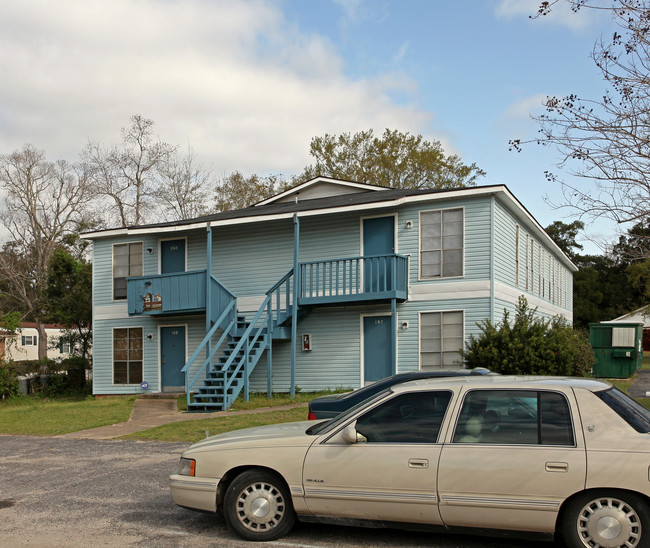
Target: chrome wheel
column 257, row 506
column 608, row 522
column 260, row 507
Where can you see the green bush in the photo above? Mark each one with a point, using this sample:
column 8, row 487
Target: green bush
column 8, row 382
column 529, row 346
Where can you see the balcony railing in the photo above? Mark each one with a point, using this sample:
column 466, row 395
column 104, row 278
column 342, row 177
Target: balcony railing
column 351, row 279
column 368, row 278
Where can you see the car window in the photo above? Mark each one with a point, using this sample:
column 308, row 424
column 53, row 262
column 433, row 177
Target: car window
column 414, row 417
column 632, row 412
column 327, row 426
column 514, row 417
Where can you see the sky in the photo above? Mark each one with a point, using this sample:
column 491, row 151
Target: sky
column 248, row 83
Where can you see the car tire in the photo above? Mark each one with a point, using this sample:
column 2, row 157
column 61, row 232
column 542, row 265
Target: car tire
column 606, row 518
column 257, row 506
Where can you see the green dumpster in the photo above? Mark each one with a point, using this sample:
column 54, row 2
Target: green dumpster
column 618, row 348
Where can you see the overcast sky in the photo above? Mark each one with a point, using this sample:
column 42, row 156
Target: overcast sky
column 248, row 83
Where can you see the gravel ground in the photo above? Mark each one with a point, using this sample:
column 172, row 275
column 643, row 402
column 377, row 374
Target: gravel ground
column 58, row 492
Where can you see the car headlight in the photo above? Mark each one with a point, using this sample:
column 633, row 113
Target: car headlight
column 186, row 467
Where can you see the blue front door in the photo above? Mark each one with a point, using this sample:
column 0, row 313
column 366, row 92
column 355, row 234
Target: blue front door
column 376, row 348
column 172, row 357
column 378, row 239
column 172, row 256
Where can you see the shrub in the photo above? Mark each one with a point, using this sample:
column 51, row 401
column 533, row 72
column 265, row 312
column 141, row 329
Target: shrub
column 8, row 382
column 529, row 346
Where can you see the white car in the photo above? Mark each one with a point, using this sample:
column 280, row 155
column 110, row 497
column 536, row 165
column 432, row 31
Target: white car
column 529, row 454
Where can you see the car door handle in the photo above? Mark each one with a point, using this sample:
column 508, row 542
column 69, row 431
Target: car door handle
column 418, row 463
column 557, row 467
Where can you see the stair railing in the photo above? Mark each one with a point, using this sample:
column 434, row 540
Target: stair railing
column 230, row 309
column 252, row 334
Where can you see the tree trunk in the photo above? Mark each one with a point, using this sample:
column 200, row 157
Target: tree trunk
column 42, row 341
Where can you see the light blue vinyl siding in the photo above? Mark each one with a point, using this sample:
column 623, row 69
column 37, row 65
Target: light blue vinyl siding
column 103, row 350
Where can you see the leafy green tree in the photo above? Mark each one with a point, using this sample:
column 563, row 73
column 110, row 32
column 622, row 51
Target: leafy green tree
column 68, row 299
column 530, row 345
column 564, row 235
column 395, row 160
column 236, row 191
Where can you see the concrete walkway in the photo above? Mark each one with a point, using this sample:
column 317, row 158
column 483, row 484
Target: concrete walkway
column 151, row 412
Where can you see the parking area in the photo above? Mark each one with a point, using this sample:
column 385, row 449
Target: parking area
column 76, row 492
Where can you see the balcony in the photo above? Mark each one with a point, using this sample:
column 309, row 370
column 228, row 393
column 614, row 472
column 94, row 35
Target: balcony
column 336, row 281
column 354, row 280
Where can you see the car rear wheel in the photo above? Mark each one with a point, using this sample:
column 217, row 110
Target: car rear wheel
column 257, row 506
column 606, row 519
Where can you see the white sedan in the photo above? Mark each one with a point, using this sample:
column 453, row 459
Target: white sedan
column 529, row 454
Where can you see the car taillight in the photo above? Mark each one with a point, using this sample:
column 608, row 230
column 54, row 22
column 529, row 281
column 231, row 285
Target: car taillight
column 311, row 416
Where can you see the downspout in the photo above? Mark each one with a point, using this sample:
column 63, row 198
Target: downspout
column 208, row 289
column 294, row 304
column 492, row 303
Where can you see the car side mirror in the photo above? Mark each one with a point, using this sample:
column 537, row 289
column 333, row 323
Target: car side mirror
column 349, row 434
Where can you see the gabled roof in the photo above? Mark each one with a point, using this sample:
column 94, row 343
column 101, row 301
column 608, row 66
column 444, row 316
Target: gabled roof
column 296, row 190
column 358, row 201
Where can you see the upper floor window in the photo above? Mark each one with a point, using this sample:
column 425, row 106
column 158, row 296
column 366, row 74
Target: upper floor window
column 127, row 261
column 441, row 243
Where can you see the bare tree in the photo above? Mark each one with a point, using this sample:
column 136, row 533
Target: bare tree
column 606, row 140
column 127, row 176
column 45, row 202
column 184, row 192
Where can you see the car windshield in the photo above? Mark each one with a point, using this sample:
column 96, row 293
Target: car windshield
column 632, row 412
column 326, row 426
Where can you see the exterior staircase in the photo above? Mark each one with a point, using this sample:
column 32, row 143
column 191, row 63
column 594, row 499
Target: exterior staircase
column 231, row 360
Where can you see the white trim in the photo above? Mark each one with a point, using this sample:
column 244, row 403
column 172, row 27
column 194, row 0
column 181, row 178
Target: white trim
column 441, row 277
column 500, row 191
column 441, row 311
column 362, row 381
column 187, row 340
column 160, row 241
column 449, row 290
column 314, row 181
column 119, row 310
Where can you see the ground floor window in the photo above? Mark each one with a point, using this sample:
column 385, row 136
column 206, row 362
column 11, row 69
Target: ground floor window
column 127, row 355
column 441, row 339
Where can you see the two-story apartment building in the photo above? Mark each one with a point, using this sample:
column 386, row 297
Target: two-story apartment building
column 330, row 284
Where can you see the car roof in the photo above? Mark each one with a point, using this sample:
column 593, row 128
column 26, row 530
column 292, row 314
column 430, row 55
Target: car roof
column 497, row 381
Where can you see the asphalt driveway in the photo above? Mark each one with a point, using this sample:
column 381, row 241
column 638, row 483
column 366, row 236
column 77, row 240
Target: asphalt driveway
column 83, row 492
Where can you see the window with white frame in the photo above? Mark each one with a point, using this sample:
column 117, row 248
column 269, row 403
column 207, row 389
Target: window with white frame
column 441, row 339
column 65, row 346
column 127, row 355
column 441, row 243
column 29, row 340
column 127, row 261
column 517, row 255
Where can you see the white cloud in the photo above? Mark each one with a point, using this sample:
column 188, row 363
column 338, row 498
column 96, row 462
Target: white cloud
column 233, row 78
column 523, row 108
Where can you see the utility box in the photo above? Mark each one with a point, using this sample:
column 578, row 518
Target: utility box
column 618, row 348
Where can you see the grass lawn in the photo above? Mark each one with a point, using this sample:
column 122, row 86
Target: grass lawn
column 41, row 417
column 199, row 429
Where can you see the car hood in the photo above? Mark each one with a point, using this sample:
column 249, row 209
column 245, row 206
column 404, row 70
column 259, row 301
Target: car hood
column 273, row 435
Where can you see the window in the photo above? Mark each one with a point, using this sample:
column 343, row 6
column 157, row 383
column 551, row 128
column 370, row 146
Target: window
column 30, row 340
column 515, row 417
column 415, row 417
column 64, row 346
column 532, row 265
column 127, row 355
column 632, row 412
column 127, row 261
column 441, row 243
column 441, row 338
column 517, row 256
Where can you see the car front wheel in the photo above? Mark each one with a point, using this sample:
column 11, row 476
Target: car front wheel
column 257, row 506
column 606, row 519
